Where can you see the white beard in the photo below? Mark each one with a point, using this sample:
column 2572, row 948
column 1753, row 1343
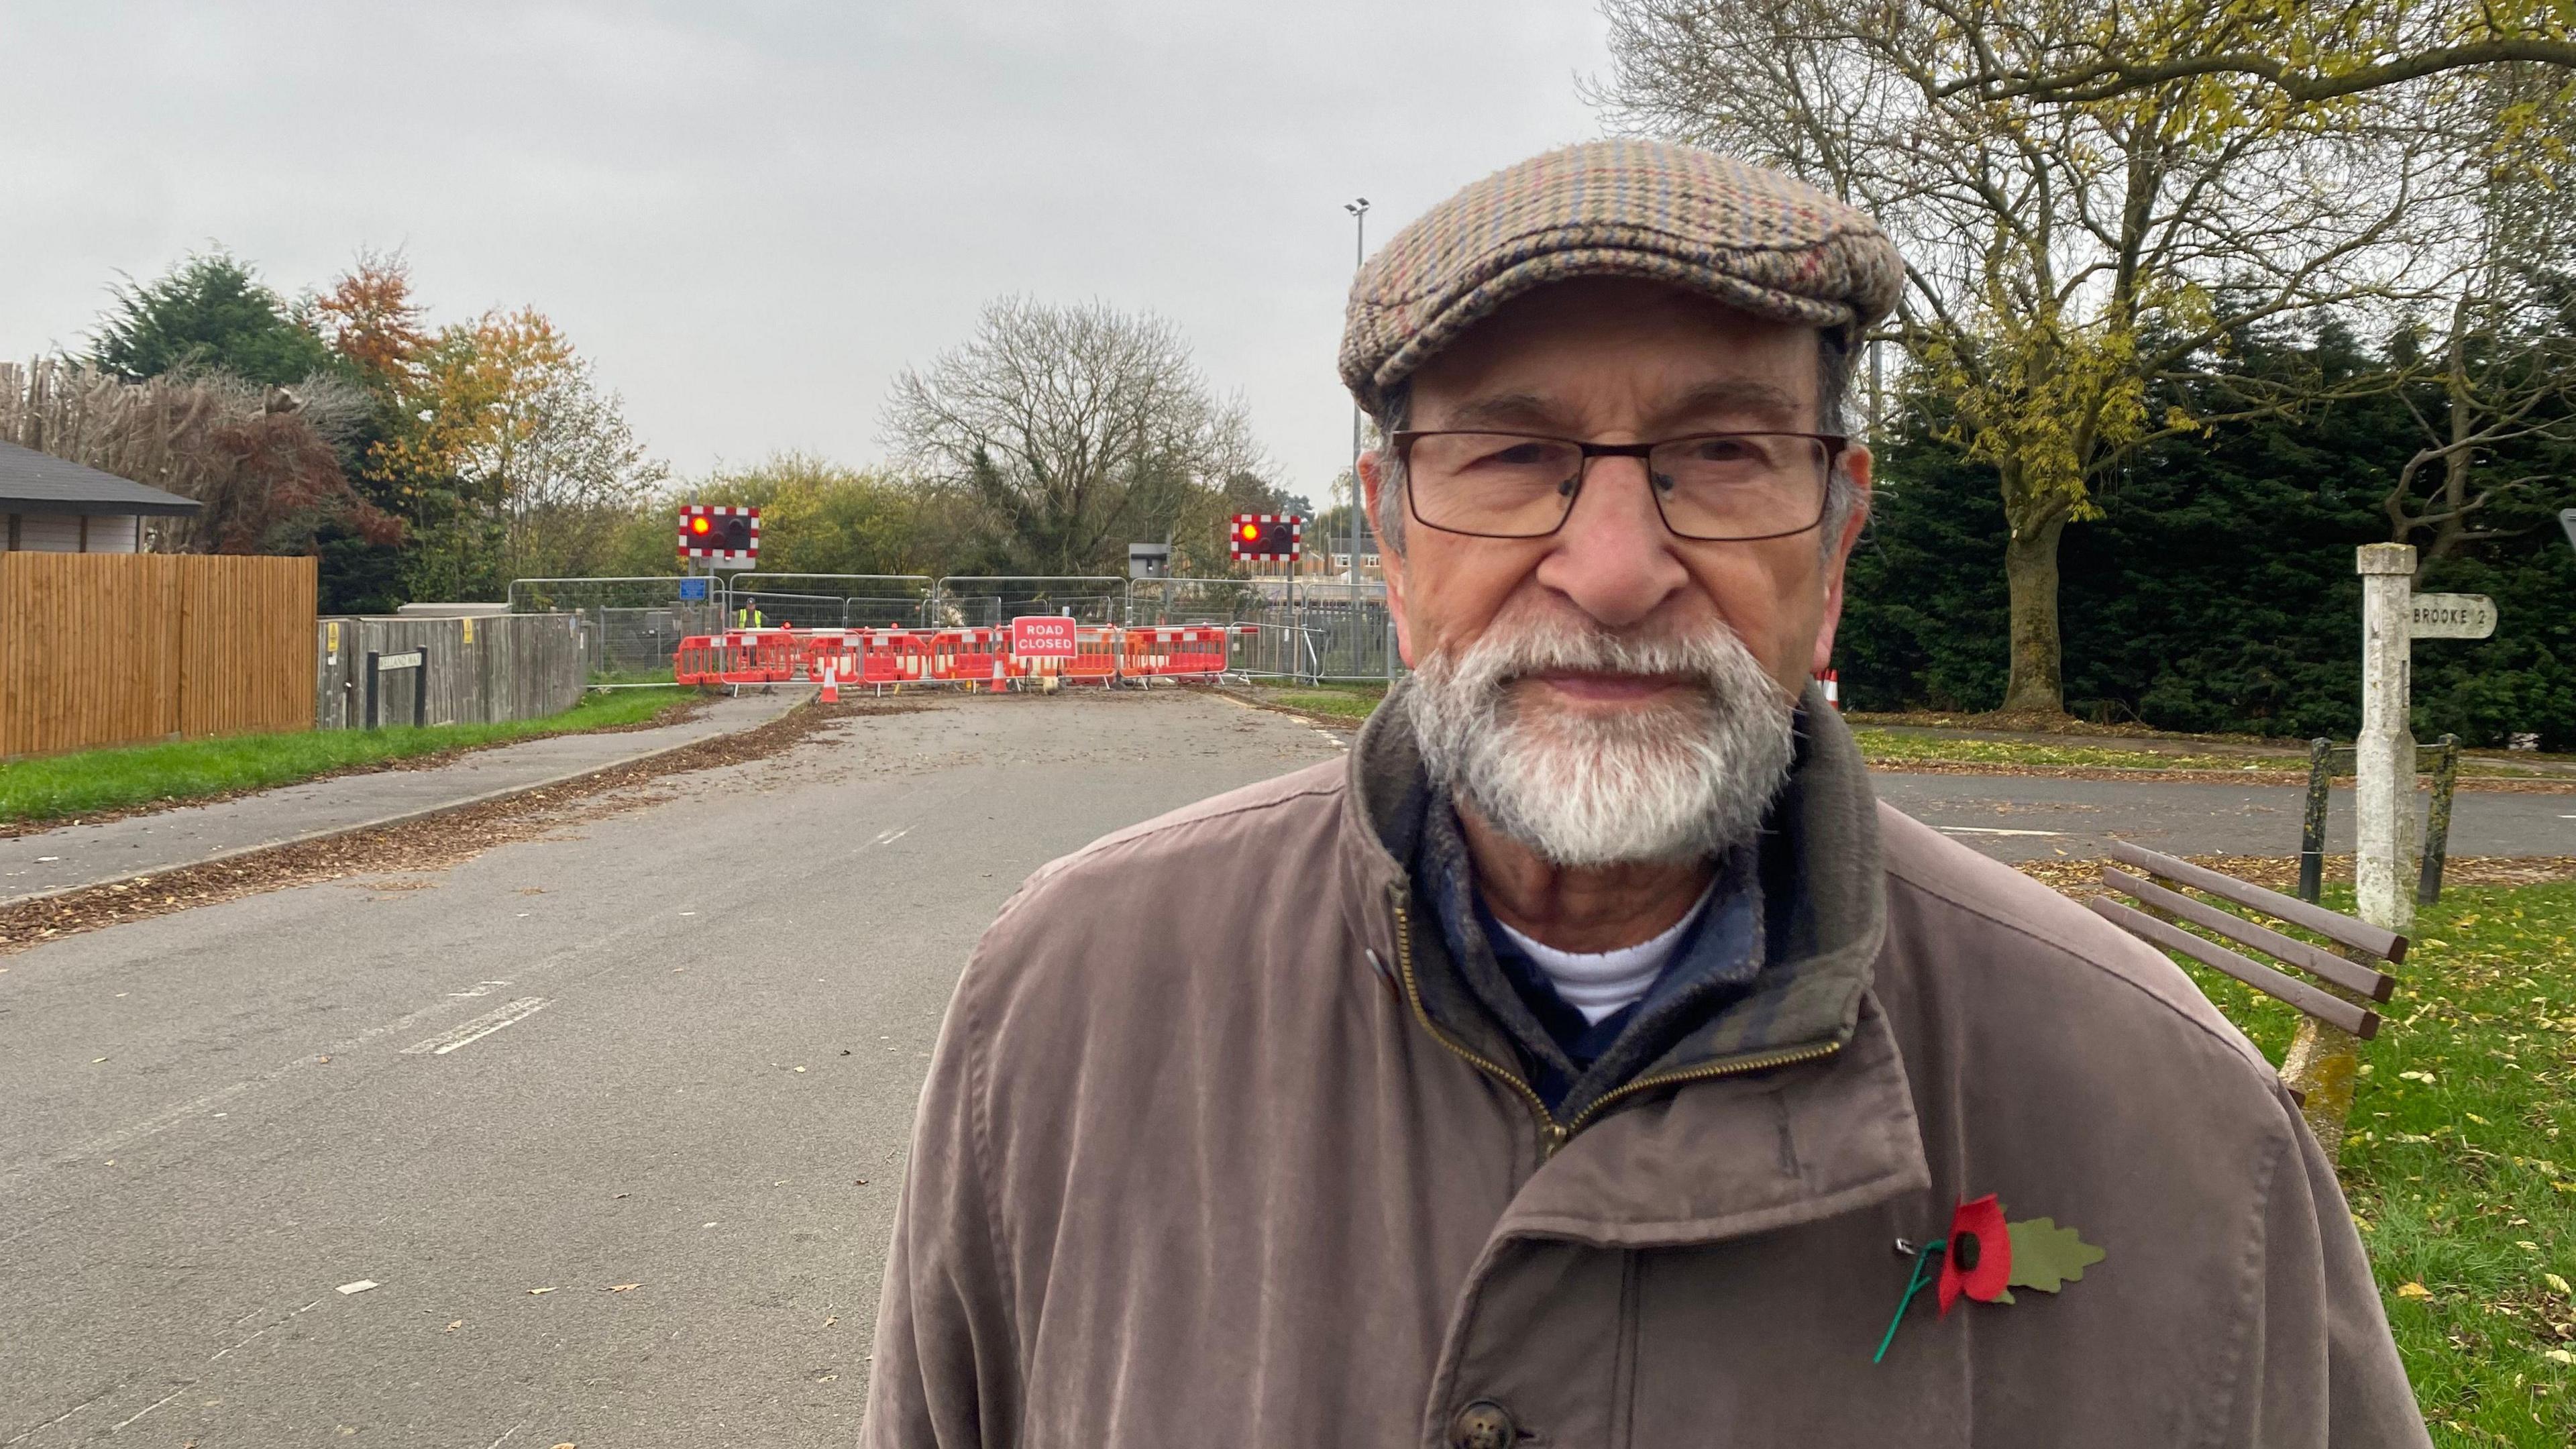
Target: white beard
column 1679, row 779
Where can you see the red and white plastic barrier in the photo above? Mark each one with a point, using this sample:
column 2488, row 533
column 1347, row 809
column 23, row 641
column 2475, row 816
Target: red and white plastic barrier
column 972, row 657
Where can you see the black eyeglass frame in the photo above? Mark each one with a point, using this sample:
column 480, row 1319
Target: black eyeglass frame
column 1404, row 440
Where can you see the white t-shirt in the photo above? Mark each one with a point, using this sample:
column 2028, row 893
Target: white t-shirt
column 1599, row 983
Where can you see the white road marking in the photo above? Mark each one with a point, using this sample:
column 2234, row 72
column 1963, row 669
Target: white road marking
column 169, row 1117
column 1991, row 830
column 469, row 1032
column 891, row 836
column 156, row 1403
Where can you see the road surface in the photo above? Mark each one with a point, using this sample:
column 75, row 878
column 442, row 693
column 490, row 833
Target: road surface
column 660, row 1052
column 2015, row 818
column 613, row 1120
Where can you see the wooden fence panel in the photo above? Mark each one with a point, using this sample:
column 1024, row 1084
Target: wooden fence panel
column 109, row 649
column 246, row 625
column 480, row 670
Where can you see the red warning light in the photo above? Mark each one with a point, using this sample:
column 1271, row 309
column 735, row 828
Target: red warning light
column 1249, row 533
column 698, row 524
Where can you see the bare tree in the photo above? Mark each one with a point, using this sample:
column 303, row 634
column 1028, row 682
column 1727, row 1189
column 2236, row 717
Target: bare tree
column 2062, row 258
column 1077, row 430
column 2495, row 373
column 2307, row 54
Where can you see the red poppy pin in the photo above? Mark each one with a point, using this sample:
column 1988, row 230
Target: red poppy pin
column 1985, row 1258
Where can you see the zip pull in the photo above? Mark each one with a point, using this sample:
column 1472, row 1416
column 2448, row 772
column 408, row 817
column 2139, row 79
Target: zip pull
column 1551, row 1135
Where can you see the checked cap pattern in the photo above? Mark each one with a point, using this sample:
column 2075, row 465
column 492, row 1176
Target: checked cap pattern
column 1751, row 238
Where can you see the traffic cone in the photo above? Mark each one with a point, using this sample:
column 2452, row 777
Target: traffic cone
column 831, row 687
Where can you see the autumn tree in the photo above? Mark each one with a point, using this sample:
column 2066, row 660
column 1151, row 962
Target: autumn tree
column 2062, row 257
column 1074, row 430
column 521, row 464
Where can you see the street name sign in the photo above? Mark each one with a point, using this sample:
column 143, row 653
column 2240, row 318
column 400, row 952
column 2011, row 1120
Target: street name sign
column 413, row 660
column 2452, row 616
column 1042, row 636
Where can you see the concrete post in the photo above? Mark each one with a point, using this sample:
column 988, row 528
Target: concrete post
column 2384, row 790
column 2322, row 1061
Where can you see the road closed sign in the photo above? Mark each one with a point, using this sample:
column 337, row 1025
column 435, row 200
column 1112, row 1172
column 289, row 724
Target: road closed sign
column 1042, row 636
column 2452, row 616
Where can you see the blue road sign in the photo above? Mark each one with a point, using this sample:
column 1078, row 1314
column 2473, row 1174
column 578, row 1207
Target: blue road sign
column 693, row 590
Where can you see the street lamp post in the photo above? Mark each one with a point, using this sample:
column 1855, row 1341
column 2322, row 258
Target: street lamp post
column 1359, row 258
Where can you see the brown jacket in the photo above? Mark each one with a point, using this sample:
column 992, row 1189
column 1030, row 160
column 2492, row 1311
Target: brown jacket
column 1217, row 1150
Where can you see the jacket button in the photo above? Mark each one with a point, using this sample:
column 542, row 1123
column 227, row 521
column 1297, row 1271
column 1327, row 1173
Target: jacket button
column 1482, row 1425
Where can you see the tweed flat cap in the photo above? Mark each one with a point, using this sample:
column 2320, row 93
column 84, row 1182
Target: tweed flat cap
column 1751, row 238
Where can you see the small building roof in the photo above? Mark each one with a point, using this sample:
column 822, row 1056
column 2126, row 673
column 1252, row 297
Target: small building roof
column 33, row 482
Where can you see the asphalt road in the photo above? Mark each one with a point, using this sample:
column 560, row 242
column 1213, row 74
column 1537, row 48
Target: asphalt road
column 2014, row 818
column 614, row 1119
column 661, row 1051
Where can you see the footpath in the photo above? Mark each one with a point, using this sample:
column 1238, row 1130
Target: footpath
column 75, row 857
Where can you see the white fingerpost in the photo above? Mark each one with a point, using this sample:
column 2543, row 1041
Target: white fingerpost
column 2384, row 787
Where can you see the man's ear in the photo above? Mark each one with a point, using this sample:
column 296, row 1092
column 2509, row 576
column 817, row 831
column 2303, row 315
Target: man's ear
column 1856, row 464
column 1372, row 468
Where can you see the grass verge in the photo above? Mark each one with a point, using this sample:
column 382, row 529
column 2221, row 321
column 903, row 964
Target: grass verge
column 95, row 782
column 1351, row 703
column 1880, row 746
column 2461, row 1160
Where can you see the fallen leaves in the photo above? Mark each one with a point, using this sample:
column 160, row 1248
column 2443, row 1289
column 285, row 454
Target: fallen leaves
column 533, row 1292
column 2413, row 1290
column 431, row 844
column 623, row 1287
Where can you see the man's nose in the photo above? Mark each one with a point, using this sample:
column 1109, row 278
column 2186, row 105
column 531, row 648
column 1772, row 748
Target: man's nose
column 1614, row 558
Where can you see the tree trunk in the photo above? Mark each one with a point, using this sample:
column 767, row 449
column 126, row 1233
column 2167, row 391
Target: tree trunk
column 2030, row 569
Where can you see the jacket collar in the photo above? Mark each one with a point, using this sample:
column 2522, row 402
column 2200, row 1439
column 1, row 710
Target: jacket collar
column 1824, row 897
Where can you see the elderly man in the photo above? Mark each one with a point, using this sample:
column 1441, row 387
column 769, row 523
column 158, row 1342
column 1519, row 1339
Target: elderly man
column 1590, row 1060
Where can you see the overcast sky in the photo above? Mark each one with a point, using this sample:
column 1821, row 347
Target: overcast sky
column 751, row 215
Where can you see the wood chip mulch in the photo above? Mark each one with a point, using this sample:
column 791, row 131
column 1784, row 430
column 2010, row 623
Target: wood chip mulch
column 431, row 844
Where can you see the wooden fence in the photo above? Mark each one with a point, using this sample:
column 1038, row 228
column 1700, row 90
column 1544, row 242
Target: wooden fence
column 483, row 670
column 109, row 649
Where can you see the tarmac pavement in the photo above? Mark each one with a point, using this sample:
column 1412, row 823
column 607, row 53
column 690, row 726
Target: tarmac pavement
column 2025, row 818
column 660, row 1066
column 75, row 856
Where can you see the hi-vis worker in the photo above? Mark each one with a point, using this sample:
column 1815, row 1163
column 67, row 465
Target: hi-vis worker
column 748, row 616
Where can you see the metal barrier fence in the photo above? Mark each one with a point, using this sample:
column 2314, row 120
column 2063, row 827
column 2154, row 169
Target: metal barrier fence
column 836, row 601
column 1316, row 630
column 977, row 601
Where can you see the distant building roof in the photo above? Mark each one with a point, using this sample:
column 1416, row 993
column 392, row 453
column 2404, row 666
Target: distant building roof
column 33, row 482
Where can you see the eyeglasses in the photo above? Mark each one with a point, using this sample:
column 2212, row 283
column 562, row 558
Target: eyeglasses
column 1709, row 487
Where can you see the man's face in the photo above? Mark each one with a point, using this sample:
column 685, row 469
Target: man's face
column 1614, row 692
column 1610, row 360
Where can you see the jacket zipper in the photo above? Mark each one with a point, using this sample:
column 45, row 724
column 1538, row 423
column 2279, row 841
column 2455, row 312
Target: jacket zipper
column 1552, row 1133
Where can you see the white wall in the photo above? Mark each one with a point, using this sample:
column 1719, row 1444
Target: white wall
column 61, row 532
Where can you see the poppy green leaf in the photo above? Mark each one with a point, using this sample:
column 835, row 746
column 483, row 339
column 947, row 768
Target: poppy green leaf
column 2046, row 1256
